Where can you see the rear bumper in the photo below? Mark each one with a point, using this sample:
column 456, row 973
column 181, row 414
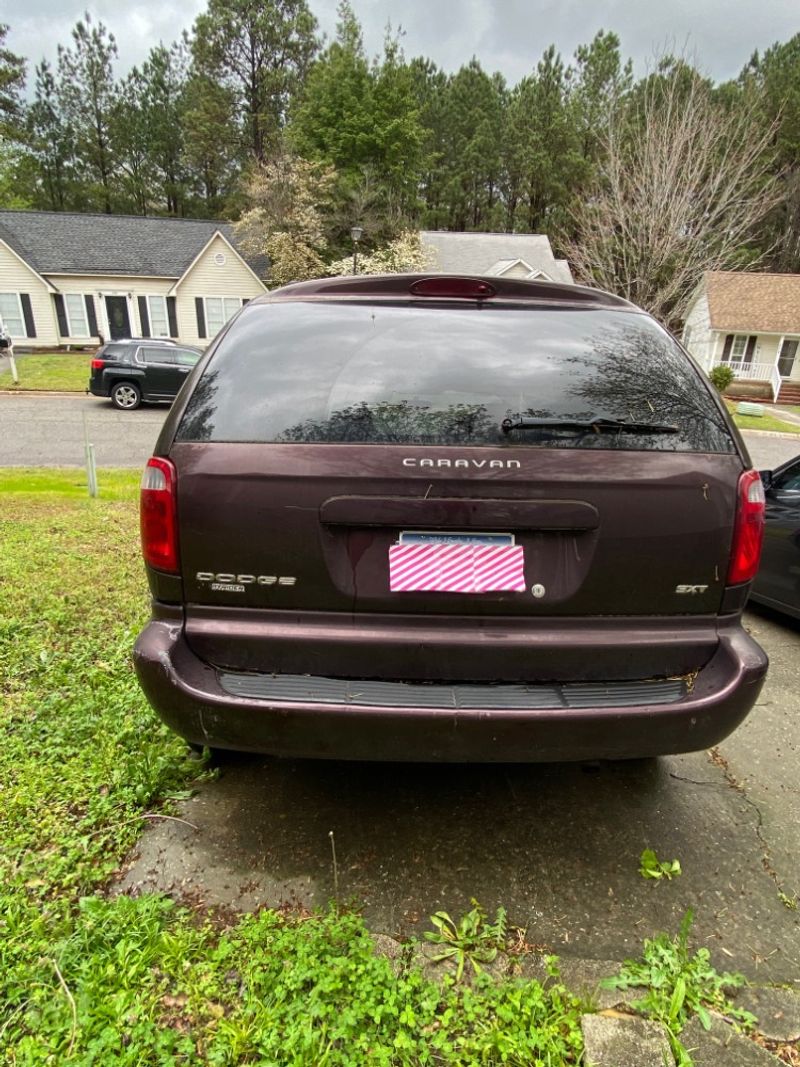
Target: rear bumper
column 190, row 697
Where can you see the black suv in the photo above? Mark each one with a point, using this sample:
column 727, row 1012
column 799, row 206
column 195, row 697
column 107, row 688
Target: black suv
column 138, row 369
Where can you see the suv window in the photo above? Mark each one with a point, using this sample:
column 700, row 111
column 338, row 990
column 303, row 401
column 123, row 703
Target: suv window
column 111, row 351
column 157, row 355
column 789, row 480
column 400, row 374
column 186, row 357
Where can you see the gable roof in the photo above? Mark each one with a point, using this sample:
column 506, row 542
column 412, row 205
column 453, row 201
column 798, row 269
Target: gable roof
column 479, row 253
column 746, row 302
column 61, row 242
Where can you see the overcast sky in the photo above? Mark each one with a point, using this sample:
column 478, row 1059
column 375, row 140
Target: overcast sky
column 505, row 35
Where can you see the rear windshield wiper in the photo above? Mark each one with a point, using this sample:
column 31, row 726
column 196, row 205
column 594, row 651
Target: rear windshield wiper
column 587, row 426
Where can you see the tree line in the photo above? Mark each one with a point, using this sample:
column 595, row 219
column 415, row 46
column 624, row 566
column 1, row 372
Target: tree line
column 253, row 95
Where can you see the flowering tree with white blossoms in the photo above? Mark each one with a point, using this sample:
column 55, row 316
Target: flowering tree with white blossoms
column 404, row 254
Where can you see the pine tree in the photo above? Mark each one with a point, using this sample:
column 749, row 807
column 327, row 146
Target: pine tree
column 88, row 101
column 12, row 85
column 260, row 50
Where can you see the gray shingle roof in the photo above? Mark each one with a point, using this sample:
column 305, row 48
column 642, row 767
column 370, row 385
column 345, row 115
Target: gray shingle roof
column 478, row 253
column 60, row 242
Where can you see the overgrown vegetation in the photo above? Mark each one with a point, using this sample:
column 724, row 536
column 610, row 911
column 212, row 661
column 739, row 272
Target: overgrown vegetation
column 680, row 985
column 90, row 979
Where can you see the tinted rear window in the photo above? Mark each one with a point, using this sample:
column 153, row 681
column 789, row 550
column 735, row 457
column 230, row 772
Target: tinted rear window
column 367, row 373
column 122, row 352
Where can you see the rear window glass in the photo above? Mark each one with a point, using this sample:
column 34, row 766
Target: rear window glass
column 117, row 351
column 369, row 373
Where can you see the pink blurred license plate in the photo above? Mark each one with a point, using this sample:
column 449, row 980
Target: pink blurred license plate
column 456, row 568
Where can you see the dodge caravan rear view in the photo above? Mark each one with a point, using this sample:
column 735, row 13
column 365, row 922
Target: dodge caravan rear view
column 449, row 518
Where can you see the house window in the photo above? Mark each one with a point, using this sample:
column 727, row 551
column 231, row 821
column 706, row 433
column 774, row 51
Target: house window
column 738, row 348
column 75, row 308
column 11, row 314
column 159, row 323
column 218, row 310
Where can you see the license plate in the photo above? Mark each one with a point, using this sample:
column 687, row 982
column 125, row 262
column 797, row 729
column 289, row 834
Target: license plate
column 457, row 564
column 438, row 537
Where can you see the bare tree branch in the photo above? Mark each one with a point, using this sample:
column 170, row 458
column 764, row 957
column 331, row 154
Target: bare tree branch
column 682, row 184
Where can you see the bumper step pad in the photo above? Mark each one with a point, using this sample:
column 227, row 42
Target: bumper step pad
column 307, row 689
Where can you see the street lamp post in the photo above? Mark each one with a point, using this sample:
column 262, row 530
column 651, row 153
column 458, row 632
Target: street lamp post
column 355, row 233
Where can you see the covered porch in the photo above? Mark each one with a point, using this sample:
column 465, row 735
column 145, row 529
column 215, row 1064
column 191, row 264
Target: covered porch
column 769, row 361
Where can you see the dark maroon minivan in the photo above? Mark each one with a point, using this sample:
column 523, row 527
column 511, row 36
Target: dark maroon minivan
column 449, row 518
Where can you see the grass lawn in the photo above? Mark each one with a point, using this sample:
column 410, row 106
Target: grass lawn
column 87, row 978
column 68, row 371
column 764, row 422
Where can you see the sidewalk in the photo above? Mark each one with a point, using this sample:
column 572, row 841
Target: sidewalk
column 785, row 413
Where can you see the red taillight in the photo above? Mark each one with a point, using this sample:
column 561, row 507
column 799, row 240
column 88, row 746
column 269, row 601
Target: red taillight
column 98, row 363
column 467, row 288
column 158, row 518
column 748, row 531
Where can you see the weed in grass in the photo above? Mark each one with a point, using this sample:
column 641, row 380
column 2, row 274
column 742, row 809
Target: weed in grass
column 680, row 985
column 650, row 866
column 472, row 939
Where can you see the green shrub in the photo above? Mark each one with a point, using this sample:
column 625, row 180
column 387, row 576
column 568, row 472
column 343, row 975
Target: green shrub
column 721, row 376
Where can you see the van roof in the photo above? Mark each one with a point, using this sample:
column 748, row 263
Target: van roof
column 394, row 287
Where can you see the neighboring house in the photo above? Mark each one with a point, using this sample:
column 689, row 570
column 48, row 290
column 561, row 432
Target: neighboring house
column 510, row 255
column 72, row 279
column 751, row 322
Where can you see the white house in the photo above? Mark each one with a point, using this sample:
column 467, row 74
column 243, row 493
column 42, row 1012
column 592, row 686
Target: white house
column 509, row 255
column 751, row 322
column 77, row 279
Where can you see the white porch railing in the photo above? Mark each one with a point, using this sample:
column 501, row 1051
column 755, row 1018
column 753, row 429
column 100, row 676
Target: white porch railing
column 759, row 372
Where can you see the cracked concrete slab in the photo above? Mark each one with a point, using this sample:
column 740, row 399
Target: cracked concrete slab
column 777, row 1011
column 721, row 1045
column 628, row 1042
column 557, row 845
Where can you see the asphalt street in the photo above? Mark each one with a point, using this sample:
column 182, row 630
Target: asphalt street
column 49, row 431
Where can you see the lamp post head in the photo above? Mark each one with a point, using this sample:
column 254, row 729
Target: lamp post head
column 356, row 232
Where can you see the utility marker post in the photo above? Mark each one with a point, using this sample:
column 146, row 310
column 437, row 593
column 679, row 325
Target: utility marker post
column 91, row 466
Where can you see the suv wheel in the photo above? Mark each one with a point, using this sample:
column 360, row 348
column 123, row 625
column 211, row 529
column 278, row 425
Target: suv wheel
column 126, row 395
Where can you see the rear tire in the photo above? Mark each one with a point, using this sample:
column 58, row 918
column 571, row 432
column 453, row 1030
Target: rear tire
column 126, row 396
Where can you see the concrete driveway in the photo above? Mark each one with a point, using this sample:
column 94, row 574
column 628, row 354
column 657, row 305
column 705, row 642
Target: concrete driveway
column 42, row 430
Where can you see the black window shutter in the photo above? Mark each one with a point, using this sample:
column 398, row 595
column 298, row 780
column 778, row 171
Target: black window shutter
column 172, row 316
column 91, row 316
column 144, row 318
column 726, row 351
column 245, row 300
column 61, row 315
column 27, row 314
column 201, row 316
column 751, row 348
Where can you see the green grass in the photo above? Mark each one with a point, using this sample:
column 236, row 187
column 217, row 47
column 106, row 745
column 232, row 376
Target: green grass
column 65, row 485
column 90, row 979
column 65, row 371
column 764, row 422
